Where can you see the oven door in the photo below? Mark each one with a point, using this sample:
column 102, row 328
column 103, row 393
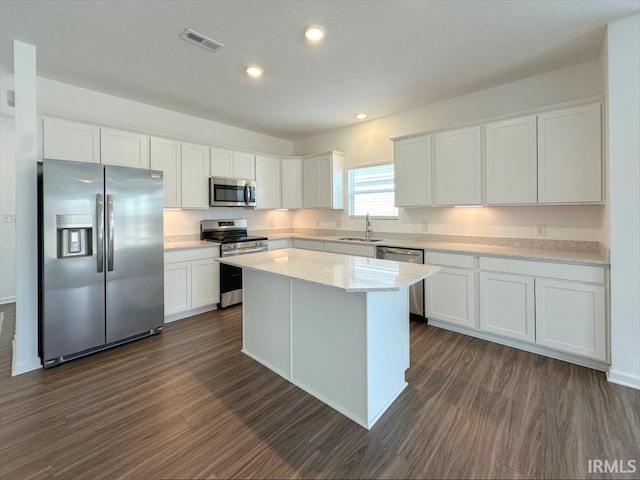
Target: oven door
column 230, row 285
column 230, row 192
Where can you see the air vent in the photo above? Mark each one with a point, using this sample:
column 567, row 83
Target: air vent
column 199, row 39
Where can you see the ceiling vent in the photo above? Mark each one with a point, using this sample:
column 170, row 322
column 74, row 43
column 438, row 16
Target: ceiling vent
column 199, row 39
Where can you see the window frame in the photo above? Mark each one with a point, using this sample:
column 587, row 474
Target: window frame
column 349, row 195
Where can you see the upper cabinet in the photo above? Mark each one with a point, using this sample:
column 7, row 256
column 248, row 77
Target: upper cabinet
column 323, row 181
column 127, row 149
column 458, row 163
column 67, row 140
column 230, row 164
column 291, row 180
column 570, row 155
column 195, row 176
column 165, row 155
column 412, row 161
column 511, row 162
column 268, row 182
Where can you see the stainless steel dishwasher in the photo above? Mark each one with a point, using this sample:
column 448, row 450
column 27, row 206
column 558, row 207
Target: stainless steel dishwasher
column 416, row 292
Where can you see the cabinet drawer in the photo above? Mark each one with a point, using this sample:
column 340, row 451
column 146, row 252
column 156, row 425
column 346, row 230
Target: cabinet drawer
column 350, row 249
column 449, row 259
column 308, row 244
column 561, row 271
column 187, row 255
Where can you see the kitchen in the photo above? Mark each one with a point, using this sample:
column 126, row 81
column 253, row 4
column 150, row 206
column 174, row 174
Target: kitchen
column 571, row 84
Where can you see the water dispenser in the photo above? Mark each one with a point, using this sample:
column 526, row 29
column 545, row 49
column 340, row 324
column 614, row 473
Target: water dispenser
column 74, row 235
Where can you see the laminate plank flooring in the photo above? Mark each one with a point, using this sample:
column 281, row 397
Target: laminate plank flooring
column 188, row 404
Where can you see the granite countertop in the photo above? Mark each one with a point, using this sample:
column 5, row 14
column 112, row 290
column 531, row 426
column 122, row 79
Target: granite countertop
column 341, row 272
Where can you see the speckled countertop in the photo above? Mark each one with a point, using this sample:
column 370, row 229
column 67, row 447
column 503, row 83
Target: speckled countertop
column 341, row 272
column 180, row 244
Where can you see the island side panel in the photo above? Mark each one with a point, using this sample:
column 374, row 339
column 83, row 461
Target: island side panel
column 328, row 347
column 266, row 320
column 387, row 348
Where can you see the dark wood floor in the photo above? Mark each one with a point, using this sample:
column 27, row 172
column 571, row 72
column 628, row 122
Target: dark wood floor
column 188, row 404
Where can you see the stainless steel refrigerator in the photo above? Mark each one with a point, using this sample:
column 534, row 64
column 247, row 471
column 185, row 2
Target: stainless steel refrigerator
column 101, row 257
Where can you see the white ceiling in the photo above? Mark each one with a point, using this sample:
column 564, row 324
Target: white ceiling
column 379, row 57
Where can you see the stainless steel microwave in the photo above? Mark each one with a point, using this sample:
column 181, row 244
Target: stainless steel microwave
column 232, row 192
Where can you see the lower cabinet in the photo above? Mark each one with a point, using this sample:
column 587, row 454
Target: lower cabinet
column 350, row 249
column 450, row 295
column 280, row 243
column 306, row 244
column 191, row 282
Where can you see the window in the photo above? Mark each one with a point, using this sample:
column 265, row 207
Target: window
column 370, row 190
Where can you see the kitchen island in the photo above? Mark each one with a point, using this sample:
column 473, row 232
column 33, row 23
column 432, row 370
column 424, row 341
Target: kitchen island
column 336, row 326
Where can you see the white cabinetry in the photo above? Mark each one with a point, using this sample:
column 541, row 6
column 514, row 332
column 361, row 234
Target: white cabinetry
column 191, row 282
column 127, row 149
column 231, row 164
column 570, row 316
column 195, row 178
column 450, row 294
column 507, row 305
column 268, row 183
column 350, row 249
column 570, row 155
column 306, row 244
column 291, row 180
column 412, row 163
column 458, row 163
column 165, row 155
column 68, row 140
column 511, row 162
column 280, row 243
column 323, row 181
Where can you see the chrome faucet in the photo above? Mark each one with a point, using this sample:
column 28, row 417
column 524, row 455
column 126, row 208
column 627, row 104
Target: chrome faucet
column 367, row 228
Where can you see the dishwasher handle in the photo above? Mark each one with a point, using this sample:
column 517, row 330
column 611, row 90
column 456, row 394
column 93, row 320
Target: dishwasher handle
column 400, row 251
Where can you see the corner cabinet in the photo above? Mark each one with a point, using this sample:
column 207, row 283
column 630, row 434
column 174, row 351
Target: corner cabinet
column 323, row 181
column 412, row 163
column 127, row 149
column 570, row 155
column 268, row 183
column 458, row 164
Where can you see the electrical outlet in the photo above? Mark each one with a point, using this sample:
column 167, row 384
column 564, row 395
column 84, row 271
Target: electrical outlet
column 9, row 218
column 541, row 230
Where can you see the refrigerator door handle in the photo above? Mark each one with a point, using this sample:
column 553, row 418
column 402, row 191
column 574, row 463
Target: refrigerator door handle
column 110, row 233
column 100, row 231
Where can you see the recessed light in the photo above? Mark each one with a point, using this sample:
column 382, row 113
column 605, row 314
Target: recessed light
column 254, row 71
column 361, row 116
column 314, row 33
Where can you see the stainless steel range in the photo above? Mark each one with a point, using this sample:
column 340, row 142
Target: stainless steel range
column 234, row 240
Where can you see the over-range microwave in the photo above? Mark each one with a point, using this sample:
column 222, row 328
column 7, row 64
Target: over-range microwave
column 232, row 192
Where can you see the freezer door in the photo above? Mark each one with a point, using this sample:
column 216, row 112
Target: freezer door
column 134, row 252
column 71, row 280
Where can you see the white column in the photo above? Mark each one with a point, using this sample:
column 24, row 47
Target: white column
column 623, row 99
column 25, row 351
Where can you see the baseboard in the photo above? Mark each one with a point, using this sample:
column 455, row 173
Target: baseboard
column 23, row 367
column 5, row 300
column 188, row 313
column 624, row 379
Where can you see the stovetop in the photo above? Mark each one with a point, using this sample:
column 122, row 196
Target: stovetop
column 231, row 239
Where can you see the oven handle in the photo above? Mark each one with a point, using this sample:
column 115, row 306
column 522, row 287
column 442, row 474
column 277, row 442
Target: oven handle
column 245, row 250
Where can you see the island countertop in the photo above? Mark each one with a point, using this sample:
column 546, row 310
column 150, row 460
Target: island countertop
column 341, row 272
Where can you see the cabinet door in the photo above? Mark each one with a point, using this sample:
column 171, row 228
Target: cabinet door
column 221, row 163
column 195, row 178
column 570, row 316
column 350, row 249
column 570, row 155
column 279, row 243
column 244, row 165
column 310, row 182
column 165, row 155
column 458, row 167
column 268, row 190
column 412, row 163
column 67, row 140
column 450, row 296
column 324, row 182
column 305, row 244
column 291, row 176
column 127, row 149
column 507, row 305
column 177, row 287
column 205, row 283
column 511, row 162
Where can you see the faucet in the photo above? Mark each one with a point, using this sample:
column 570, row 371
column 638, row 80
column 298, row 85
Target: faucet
column 367, row 228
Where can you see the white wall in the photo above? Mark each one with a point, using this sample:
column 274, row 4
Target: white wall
column 7, row 193
column 25, row 344
column 369, row 143
column 623, row 96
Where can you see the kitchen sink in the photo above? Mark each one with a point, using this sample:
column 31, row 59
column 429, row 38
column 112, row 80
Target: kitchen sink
column 361, row 239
